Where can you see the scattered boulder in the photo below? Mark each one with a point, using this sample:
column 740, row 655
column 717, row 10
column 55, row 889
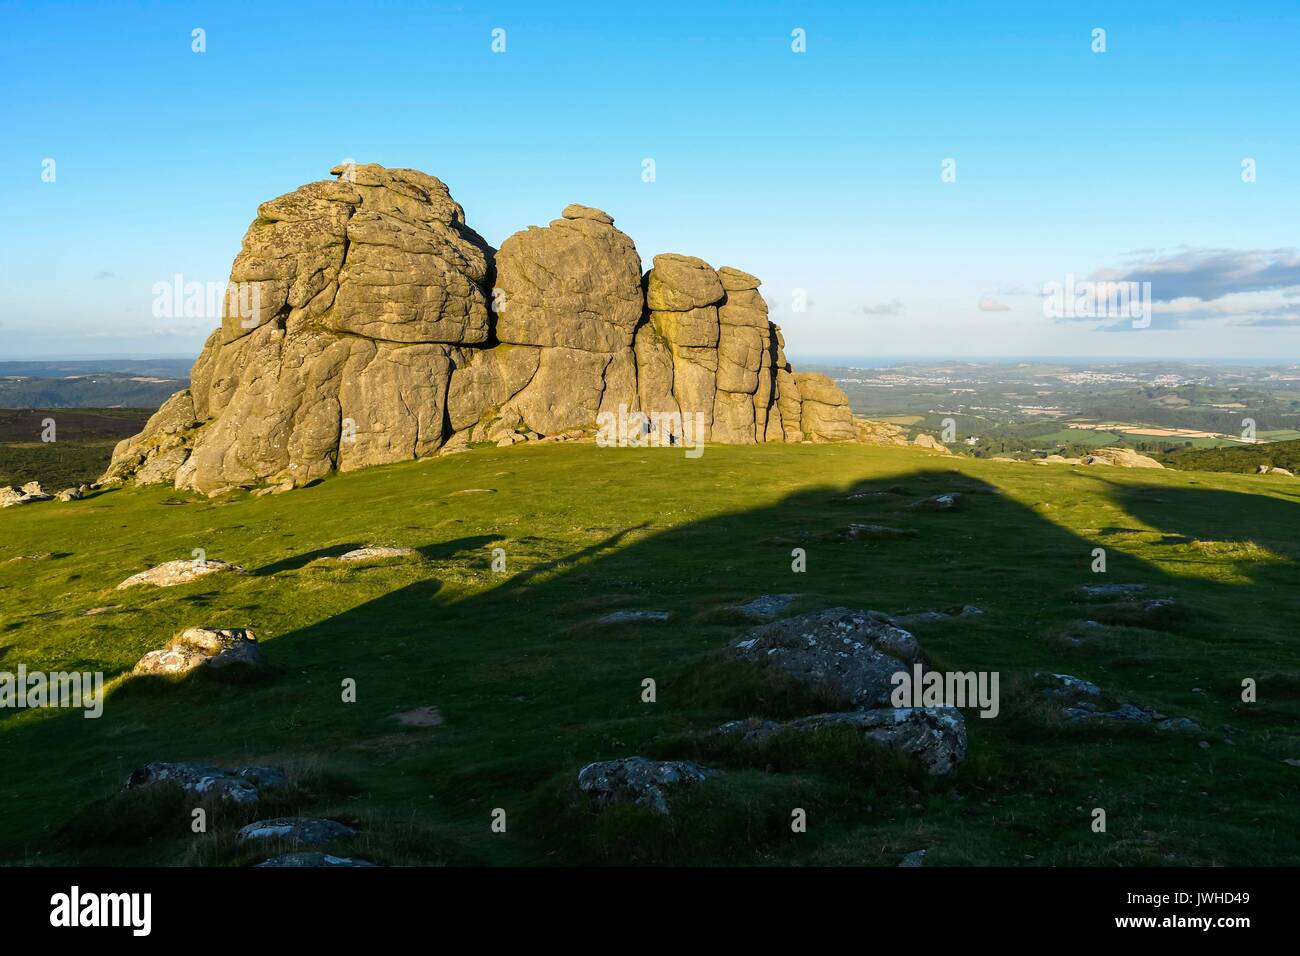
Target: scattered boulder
column 172, row 573
column 309, row 830
column 420, row 717
column 376, row 554
column 915, row 858
column 197, row 647
column 634, row 617
column 1066, row 688
column 243, row 785
column 935, row 736
column 874, row 532
column 849, row 655
column 1109, row 590
column 1081, row 700
column 1161, row 614
column 71, row 494
column 1120, row 458
column 29, row 493
column 314, row 859
column 765, row 607
column 936, row 617
column 930, row 443
column 639, row 781
column 944, row 502
column 870, row 432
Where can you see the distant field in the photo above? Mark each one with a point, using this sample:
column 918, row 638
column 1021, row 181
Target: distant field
column 1076, row 436
column 83, row 445
column 903, row 420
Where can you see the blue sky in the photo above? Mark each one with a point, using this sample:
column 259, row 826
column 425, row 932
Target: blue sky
column 817, row 171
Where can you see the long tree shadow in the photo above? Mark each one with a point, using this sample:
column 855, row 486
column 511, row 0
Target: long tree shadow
column 529, row 683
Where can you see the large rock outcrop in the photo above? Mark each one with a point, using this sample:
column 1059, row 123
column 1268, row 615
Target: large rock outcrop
column 367, row 323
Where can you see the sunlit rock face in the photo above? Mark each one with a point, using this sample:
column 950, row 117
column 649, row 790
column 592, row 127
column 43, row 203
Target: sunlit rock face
column 367, row 323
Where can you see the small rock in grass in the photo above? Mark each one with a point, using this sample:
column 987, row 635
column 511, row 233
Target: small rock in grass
column 874, row 532
column 308, row 830
column 171, row 573
column 935, row 736
column 313, row 858
column 376, row 553
column 943, row 502
column 937, row 617
column 634, row 617
column 766, row 606
column 419, row 717
column 639, row 781
column 244, row 785
column 1104, row 590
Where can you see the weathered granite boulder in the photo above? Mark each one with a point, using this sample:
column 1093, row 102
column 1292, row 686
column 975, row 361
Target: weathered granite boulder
column 308, row 830
column 245, row 785
column 377, row 553
column 1082, row 701
column 169, row 574
column 848, row 655
column 575, row 283
column 197, row 647
column 26, row 495
column 935, row 736
column 1119, row 457
column 639, row 781
column 825, row 414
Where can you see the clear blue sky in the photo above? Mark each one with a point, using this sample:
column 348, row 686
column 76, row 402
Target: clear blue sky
column 817, row 171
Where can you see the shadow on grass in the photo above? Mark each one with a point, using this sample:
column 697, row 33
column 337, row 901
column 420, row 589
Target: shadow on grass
column 526, row 703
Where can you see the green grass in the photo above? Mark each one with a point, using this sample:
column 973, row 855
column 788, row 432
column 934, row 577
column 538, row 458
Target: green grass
column 531, row 687
column 1240, row 459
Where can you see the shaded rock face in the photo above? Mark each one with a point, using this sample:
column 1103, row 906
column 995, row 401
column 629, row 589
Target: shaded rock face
column 367, row 323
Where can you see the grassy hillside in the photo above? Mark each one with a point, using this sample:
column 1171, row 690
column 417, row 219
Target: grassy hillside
column 83, row 445
column 1240, row 460
column 531, row 687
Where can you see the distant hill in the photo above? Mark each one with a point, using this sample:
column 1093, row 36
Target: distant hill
column 1243, row 460
column 129, row 383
